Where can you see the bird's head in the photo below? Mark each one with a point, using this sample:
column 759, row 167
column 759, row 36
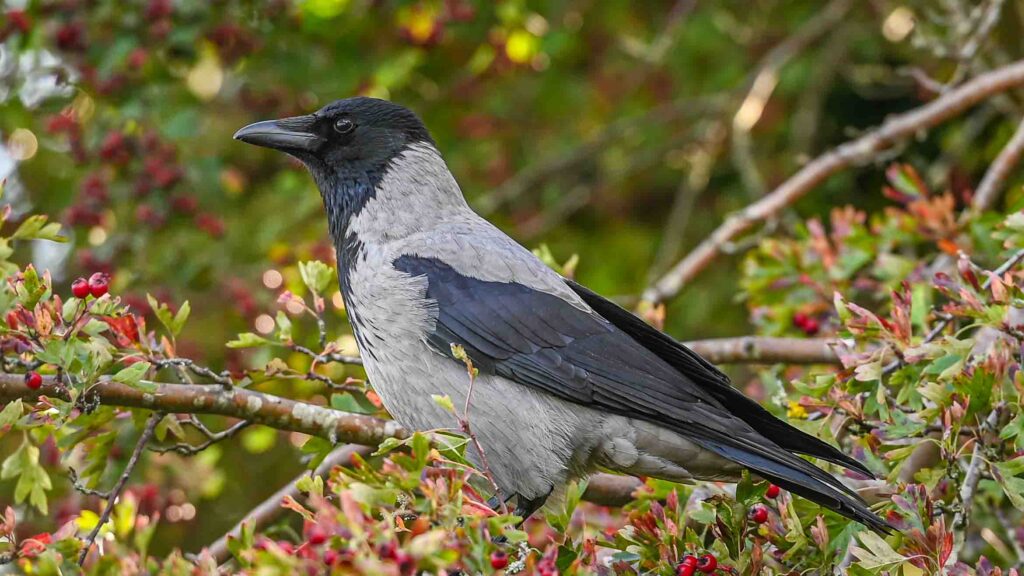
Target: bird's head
column 351, row 135
column 362, row 148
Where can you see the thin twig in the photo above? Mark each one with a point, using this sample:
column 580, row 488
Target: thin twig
column 115, row 492
column 970, row 484
column 849, row 154
column 186, row 449
column 464, row 424
column 1000, row 169
column 77, row 484
column 222, row 378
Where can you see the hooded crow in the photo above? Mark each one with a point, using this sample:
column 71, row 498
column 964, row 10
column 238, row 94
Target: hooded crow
column 568, row 381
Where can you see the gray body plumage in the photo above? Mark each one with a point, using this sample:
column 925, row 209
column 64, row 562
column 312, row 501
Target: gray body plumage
column 535, row 442
column 568, row 380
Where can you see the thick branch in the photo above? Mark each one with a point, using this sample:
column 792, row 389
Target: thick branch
column 855, row 152
column 256, row 407
column 765, row 350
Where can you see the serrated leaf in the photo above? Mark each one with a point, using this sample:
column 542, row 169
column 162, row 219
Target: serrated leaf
column 133, row 376
column 444, row 401
column 248, row 340
column 11, row 413
column 36, row 228
column 316, row 275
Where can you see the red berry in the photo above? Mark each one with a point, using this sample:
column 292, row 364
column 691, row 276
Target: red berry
column 707, row 563
column 759, row 514
column 12, row 320
column 387, row 550
column 689, row 560
column 99, row 284
column 499, row 560
column 686, row 569
column 772, row 491
column 331, row 556
column 316, row 536
column 33, row 380
column 19, row 20
column 811, row 327
column 800, row 319
column 80, row 288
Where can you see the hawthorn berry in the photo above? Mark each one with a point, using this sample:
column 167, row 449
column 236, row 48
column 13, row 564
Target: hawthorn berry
column 317, row 536
column 707, row 563
column 499, row 560
column 759, row 514
column 811, row 327
column 331, row 556
column 687, row 566
column 80, row 288
column 33, row 380
column 99, row 284
column 772, row 491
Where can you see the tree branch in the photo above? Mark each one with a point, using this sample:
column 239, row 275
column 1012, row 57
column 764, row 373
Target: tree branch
column 992, row 183
column 256, row 407
column 766, row 350
column 854, row 152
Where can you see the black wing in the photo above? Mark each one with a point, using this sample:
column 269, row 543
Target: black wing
column 711, row 379
column 540, row 340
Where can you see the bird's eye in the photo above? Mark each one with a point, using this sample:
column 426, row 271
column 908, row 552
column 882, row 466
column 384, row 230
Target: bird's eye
column 344, row 126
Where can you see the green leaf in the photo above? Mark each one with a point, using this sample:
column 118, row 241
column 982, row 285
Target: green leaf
column 316, row 275
column 1006, row 474
column 173, row 323
column 11, row 413
column 444, row 401
column 248, row 340
column 347, row 402
column 132, row 376
column 36, row 228
column 33, row 481
column 284, row 327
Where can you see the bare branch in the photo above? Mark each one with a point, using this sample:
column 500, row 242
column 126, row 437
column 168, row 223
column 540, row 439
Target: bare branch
column 147, row 433
column 257, row 407
column 186, row 449
column 992, row 183
column 77, row 484
column 766, row 350
column 820, row 169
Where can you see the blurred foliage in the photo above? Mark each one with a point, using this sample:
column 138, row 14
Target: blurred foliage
column 611, row 131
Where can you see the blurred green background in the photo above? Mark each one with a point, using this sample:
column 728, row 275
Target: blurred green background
column 623, row 132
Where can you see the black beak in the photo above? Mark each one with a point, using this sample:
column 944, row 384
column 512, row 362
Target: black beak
column 294, row 134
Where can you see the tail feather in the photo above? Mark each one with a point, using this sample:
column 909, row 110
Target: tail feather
column 804, row 479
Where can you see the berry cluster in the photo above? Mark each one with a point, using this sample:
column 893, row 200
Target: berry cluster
column 97, row 285
column 808, row 324
column 692, row 564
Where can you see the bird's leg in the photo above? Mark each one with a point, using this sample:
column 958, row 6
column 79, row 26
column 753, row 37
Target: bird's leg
column 494, row 504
